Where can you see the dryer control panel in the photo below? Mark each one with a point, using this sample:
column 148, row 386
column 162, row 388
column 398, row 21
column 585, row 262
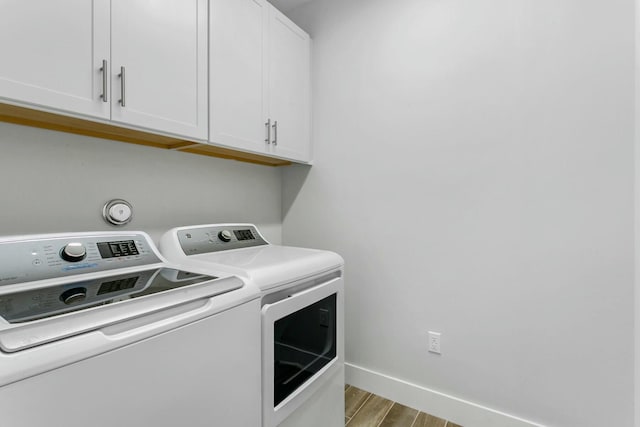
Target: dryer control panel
column 207, row 239
column 30, row 258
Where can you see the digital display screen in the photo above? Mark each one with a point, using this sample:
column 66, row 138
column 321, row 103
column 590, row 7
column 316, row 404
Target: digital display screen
column 243, row 234
column 117, row 285
column 117, row 249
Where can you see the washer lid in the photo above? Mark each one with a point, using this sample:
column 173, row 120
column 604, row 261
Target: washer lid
column 43, row 315
column 41, row 303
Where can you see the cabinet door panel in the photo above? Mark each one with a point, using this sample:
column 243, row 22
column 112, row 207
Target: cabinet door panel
column 289, row 87
column 238, row 84
column 162, row 45
column 52, row 52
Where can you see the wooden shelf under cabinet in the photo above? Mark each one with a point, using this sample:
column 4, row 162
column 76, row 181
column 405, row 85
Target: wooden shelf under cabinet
column 45, row 120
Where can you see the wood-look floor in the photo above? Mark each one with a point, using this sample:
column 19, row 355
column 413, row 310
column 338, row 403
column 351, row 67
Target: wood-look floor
column 364, row 409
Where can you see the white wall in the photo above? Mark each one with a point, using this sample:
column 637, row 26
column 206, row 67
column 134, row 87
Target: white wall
column 57, row 182
column 475, row 167
column 637, row 222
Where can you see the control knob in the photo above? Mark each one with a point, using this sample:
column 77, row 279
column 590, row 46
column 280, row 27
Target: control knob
column 225, row 235
column 73, row 252
column 72, row 296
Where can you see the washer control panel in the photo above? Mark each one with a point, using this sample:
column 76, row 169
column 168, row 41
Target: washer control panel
column 30, row 259
column 202, row 240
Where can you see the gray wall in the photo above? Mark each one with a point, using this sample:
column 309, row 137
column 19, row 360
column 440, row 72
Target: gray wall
column 474, row 166
column 57, row 182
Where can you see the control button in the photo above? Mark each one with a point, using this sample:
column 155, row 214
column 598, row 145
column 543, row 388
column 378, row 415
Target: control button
column 73, row 252
column 37, row 262
column 73, row 296
column 225, row 235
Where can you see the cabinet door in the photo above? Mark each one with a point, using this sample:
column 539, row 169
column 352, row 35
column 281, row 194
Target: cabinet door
column 289, row 88
column 52, row 53
column 237, row 70
column 161, row 45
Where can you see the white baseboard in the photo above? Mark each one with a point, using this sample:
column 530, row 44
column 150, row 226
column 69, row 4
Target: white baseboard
column 451, row 408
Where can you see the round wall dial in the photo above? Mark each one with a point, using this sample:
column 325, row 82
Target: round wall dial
column 117, row 212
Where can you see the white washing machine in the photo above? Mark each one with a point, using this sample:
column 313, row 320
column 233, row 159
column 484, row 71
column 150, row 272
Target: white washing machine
column 302, row 316
column 97, row 329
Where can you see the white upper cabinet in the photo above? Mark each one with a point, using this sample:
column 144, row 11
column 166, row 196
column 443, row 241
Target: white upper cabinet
column 259, row 80
column 237, row 62
column 52, row 54
column 289, row 88
column 159, row 65
column 231, row 73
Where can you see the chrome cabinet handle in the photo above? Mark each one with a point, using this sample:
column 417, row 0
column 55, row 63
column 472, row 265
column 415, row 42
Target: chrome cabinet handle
column 122, row 87
column 275, row 132
column 105, row 75
column 268, row 126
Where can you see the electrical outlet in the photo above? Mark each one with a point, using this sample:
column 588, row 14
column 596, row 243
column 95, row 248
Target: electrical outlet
column 434, row 342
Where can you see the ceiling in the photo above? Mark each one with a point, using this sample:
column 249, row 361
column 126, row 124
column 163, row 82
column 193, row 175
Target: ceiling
column 288, row 5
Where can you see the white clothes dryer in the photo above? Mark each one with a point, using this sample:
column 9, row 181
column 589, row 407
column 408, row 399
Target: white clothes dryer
column 302, row 316
column 97, row 329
